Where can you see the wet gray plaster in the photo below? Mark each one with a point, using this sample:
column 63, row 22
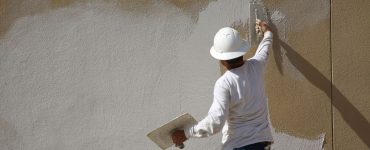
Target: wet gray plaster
column 96, row 76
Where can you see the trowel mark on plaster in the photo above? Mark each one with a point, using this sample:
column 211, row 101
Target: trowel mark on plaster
column 284, row 141
column 276, row 17
column 312, row 14
column 280, row 13
column 280, row 19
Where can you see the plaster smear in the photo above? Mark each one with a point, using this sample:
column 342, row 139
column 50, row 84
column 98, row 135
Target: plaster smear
column 279, row 18
column 288, row 20
column 312, row 14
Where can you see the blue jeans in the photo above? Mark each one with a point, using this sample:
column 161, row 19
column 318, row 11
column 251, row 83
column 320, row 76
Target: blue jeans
column 256, row 146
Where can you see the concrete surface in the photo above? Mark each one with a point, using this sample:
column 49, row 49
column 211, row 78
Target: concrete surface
column 351, row 74
column 90, row 74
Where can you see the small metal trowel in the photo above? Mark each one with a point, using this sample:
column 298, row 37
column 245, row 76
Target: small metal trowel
column 257, row 11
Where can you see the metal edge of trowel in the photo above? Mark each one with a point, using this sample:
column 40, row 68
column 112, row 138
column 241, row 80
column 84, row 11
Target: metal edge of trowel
column 177, row 123
column 257, row 11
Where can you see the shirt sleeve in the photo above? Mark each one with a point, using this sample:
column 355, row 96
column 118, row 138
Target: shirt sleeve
column 262, row 53
column 217, row 115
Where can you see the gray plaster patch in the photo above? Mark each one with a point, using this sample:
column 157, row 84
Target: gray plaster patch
column 284, row 141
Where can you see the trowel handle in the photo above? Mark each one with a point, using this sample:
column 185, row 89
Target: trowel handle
column 181, row 146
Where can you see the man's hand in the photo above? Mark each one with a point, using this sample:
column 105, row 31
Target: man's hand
column 261, row 27
column 178, row 137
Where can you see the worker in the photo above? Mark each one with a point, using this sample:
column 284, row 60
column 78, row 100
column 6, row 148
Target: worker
column 239, row 105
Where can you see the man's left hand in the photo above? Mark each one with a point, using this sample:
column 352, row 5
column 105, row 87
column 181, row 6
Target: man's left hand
column 178, row 137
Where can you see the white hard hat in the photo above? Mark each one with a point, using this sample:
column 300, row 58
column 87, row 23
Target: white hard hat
column 227, row 44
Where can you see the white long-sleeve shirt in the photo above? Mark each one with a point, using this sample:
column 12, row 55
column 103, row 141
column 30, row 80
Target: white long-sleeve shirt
column 239, row 105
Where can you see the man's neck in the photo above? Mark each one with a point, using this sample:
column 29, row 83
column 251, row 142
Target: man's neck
column 236, row 65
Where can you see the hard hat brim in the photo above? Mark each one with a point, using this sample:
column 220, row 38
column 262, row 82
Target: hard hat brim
column 230, row 55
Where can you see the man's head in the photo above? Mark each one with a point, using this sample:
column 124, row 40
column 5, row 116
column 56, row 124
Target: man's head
column 233, row 63
column 228, row 45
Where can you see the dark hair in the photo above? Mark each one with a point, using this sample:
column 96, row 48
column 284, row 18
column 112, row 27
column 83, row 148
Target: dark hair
column 235, row 60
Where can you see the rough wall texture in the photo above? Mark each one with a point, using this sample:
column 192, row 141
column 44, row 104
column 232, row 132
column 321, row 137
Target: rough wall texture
column 351, row 74
column 299, row 73
column 91, row 74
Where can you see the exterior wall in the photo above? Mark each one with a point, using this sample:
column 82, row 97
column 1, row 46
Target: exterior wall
column 79, row 74
column 299, row 74
column 351, row 74
column 102, row 74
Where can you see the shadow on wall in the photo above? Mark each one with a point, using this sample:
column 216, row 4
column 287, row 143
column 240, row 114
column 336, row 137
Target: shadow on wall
column 350, row 114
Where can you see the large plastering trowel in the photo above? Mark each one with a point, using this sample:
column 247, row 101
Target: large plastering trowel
column 257, row 11
column 162, row 135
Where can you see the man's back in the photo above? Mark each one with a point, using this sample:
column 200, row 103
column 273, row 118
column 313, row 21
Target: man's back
column 239, row 105
column 247, row 121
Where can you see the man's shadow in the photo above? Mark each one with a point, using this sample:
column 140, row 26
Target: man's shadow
column 349, row 113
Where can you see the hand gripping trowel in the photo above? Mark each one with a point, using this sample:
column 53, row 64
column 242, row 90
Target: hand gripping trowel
column 162, row 135
column 257, row 11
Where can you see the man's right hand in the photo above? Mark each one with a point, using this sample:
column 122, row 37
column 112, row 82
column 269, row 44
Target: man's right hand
column 178, row 138
column 261, row 27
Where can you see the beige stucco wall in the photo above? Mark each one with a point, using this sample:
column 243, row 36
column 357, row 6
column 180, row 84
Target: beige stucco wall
column 299, row 73
column 351, row 74
column 102, row 74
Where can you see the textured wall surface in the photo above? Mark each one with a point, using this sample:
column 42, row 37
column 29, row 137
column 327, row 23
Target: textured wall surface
column 100, row 75
column 91, row 74
column 299, row 74
column 351, row 74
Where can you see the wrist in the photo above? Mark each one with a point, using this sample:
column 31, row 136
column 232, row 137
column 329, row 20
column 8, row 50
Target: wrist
column 187, row 132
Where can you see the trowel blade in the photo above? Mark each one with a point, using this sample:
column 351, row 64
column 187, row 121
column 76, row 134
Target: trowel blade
column 257, row 11
column 162, row 135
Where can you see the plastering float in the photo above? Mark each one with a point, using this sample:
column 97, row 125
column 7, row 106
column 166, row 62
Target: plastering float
column 162, row 135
